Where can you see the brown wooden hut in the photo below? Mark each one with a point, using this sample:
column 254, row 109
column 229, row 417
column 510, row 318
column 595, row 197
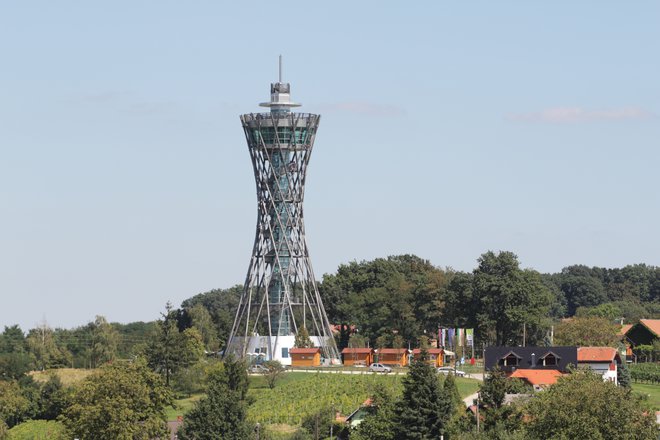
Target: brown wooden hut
column 393, row 356
column 357, row 356
column 305, row 357
column 436, row 356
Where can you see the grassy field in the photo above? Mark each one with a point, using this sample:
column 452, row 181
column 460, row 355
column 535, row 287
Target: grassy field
column 467, row 386
column 651, row 392
column 37, row 430
column 182, row 406
column 68, row 376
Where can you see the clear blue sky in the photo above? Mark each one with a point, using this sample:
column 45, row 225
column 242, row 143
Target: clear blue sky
column 447, row 130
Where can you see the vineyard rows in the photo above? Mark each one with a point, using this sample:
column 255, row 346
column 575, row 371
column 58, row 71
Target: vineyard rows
column 292, row 401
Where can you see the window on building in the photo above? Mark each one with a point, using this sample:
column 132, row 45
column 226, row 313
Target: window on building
column 549, row 360
column 510, row 360
column 285, row 352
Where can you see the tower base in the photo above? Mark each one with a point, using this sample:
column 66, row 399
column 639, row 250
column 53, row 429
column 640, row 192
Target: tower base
column 258, row 348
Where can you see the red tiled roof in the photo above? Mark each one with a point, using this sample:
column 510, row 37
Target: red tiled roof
column 429, row 350
column 596, row 354
column 652, row 324
column 312, row 350
column 392, row 351
column 336, row 328
column 624, row 329
column 356, row 350
column 537, row 377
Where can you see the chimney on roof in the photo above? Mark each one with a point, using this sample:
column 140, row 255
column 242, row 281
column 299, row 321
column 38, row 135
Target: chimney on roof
column 533, row 360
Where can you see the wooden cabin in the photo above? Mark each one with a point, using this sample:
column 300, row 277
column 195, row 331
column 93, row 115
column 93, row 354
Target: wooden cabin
column 357, row 356
column 305, row 357
column 436, row 356
column 393, row 356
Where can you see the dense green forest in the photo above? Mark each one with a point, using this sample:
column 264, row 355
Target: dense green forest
column 394, row 300
column 391, row 301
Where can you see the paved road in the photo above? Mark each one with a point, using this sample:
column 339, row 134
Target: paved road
column 469, row 400
column 478, row 376
column 365, row 371
column 173, row 426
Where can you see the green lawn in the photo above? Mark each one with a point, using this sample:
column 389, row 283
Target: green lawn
column 467, row 386
column 650, row 391
column 181, row 406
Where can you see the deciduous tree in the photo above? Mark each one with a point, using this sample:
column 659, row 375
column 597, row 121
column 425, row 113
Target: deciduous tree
column 587, row 331
column 201, row 320
column 123, row 401
column 13, row 404
column 103, row 341
column 274, row 371
column 42, row 345
column 510, row 300
column 582, row 405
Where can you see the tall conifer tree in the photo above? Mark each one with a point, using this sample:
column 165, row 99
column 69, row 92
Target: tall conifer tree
column 425, row 408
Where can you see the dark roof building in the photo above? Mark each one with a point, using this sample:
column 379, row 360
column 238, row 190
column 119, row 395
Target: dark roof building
column 510, row 359
column 645, row 332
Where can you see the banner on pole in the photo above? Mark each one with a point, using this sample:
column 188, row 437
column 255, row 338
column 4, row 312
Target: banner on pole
column 469, row 337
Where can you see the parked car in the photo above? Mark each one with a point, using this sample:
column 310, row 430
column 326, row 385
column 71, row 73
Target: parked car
column 447, row 370
column 379, row 368
column 258, row 369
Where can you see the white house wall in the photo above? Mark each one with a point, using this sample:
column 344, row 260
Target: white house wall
column 602, row 368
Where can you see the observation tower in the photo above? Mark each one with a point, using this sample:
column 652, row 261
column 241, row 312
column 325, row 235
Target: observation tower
column 281, row 296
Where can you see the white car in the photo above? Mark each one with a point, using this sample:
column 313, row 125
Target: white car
column 447, row 370
column 379, row 368
column 257, row 368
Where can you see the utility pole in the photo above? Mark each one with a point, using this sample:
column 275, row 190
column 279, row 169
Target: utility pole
column 477, row 413
column 333, row 420
column 552, row 335
column 524, row 333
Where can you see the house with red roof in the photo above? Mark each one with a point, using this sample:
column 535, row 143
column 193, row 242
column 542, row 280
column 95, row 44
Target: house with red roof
column 624, row 329
column 538, row 378
column 357, row 356
column 602, row 360
column 305, row 357
column 393, row 356
column 436, row 356
column 645, row 332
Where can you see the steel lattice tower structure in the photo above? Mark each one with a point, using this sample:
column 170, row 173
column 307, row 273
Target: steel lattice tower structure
column 281, row 295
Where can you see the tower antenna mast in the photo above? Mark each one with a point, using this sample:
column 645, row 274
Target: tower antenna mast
column 280, row 69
